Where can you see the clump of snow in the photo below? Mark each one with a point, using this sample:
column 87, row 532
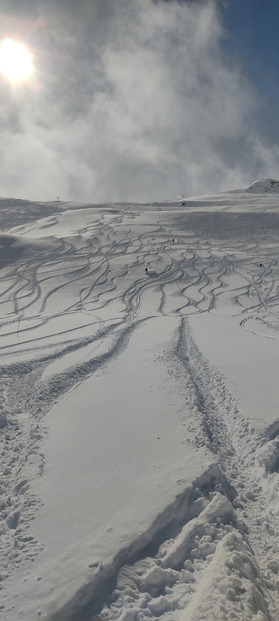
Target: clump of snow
column 268, row 455
column 219, row 508
column 158, row 577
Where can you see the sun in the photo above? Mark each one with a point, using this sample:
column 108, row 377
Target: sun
column 15, row 60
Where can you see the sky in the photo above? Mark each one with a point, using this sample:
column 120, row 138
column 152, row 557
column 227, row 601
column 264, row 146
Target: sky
column 139, row 100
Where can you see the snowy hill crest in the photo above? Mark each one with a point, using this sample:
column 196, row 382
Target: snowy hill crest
column 264, row 185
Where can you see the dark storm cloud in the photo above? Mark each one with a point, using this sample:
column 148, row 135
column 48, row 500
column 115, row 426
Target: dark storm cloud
column 132, row 101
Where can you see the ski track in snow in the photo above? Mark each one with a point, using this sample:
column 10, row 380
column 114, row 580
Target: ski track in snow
column 68, row 307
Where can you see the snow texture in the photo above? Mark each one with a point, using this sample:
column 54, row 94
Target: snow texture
column 139, row 409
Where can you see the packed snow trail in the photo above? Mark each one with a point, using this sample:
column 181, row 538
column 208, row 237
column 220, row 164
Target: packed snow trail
column 128, row 338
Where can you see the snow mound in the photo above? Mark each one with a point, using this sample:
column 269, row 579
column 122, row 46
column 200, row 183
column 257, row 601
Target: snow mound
column 264, row 185
column 151, row 272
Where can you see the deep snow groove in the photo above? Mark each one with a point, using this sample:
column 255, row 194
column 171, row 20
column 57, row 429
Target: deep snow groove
column 88, row 603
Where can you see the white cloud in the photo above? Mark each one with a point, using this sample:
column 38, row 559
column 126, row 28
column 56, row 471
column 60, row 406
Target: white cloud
column 135, row 102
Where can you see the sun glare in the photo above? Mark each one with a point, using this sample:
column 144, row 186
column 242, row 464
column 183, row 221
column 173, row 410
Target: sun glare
column 15, row 60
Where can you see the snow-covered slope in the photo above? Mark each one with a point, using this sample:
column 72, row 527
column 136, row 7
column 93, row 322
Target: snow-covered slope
column 139, row 412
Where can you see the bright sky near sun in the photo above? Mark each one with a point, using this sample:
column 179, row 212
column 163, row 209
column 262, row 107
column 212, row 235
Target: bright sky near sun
column 15, row 60
column 137, row 101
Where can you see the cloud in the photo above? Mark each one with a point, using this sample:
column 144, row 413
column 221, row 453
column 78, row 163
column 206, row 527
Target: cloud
column 133, row 100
